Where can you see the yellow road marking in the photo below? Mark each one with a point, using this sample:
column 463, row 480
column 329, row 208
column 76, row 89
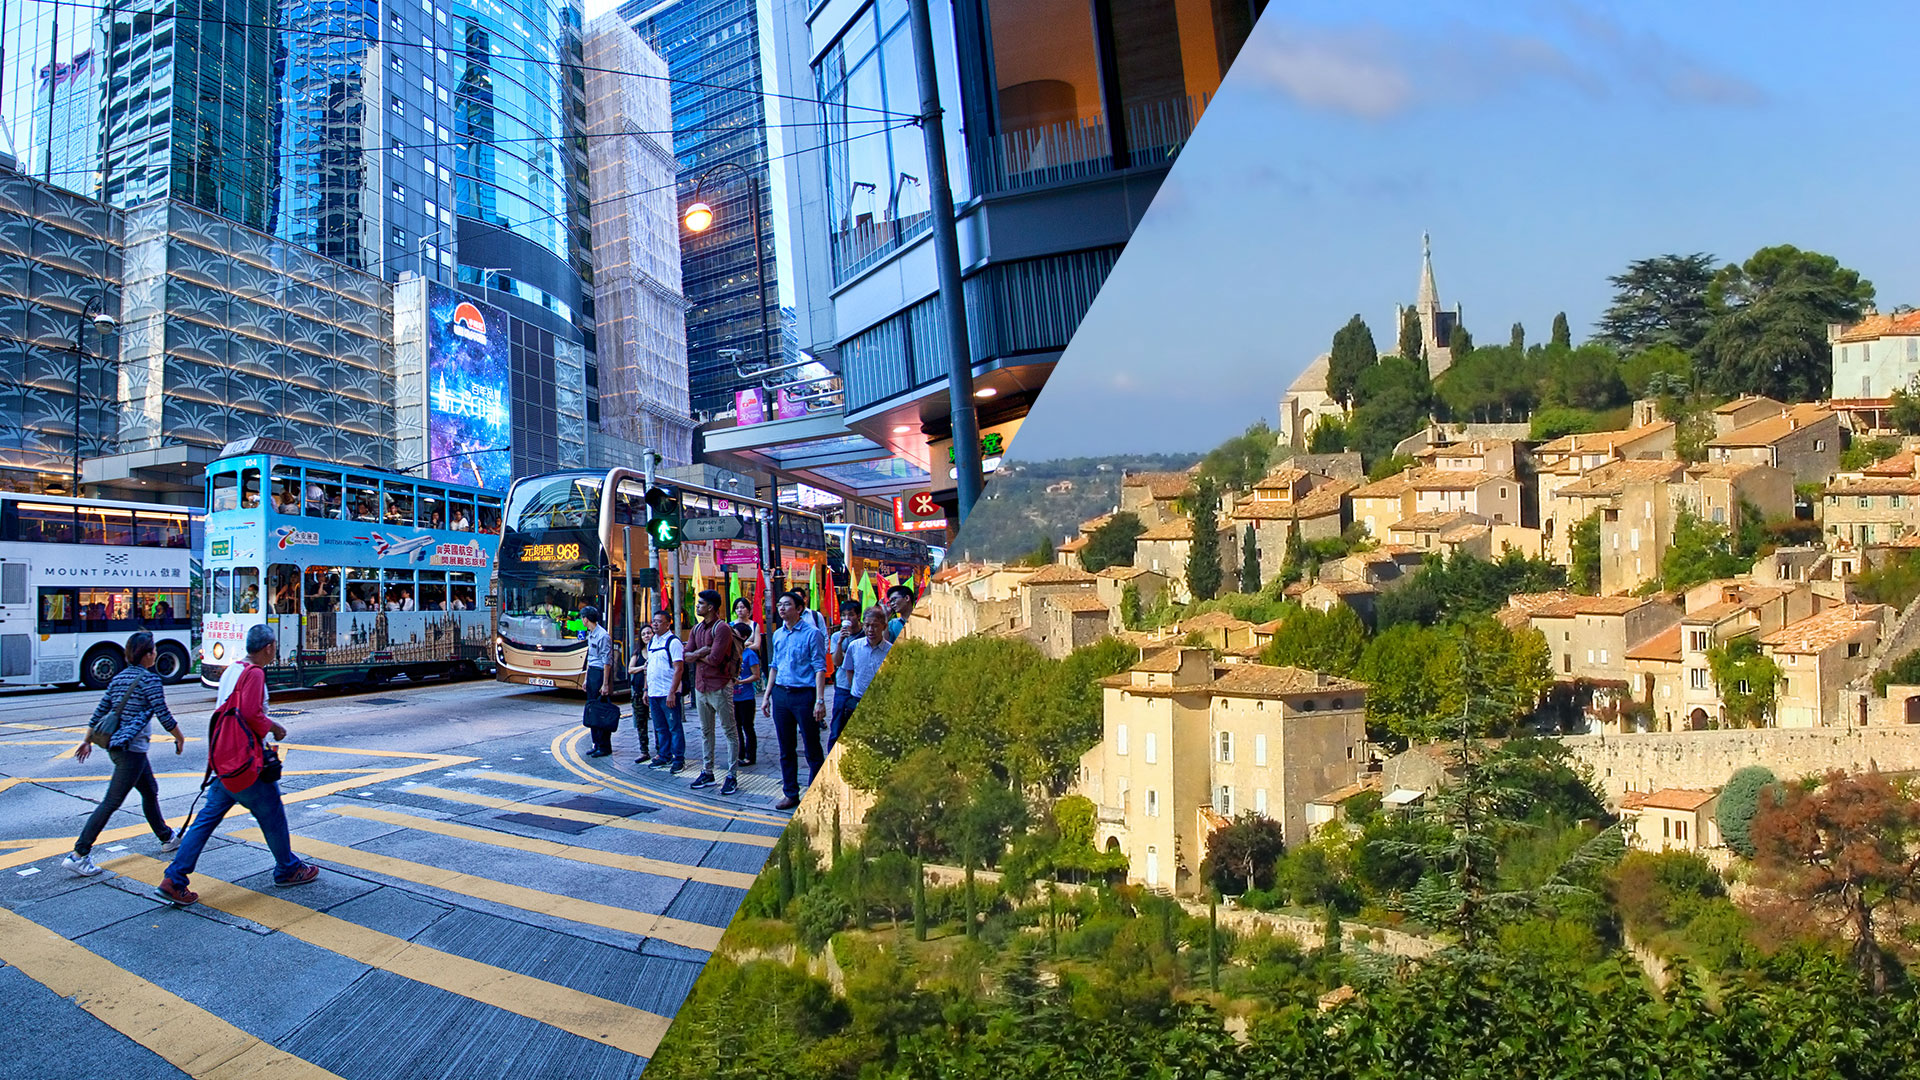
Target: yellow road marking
column 679, row 931
column 43, row 727
column 69, row 742
column 566, row 750
column 190, row 1038
column 533, row 781
column 614, row 820
column 638, row 864
column 198, row 775
column 620, row 1026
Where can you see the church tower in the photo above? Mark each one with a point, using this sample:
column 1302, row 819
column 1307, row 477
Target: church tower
column 1436, row 324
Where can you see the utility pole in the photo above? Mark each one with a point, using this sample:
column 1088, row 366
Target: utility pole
column 946, row 253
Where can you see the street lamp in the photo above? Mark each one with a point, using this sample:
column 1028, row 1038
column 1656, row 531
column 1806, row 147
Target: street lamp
column 103, row 323
column 484, row 271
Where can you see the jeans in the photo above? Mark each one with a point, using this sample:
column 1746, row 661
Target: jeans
column 718, row 705
column 843, row 705
column 130, row 771
column 743, row 718
column 669, row 734
column 793, row 721
column 263, row 802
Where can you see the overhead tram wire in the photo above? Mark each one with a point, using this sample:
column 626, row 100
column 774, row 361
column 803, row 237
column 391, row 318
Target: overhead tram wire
column 528, row 59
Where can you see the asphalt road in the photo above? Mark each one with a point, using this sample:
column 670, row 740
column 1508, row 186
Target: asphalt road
column 491, row 903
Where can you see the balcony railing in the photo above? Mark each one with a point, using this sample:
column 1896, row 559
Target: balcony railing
column 1082, row 149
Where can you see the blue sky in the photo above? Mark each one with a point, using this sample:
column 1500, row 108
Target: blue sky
column 1544, row 146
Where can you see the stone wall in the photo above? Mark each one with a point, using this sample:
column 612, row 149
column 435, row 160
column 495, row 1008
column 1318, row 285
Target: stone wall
column 1704, row 759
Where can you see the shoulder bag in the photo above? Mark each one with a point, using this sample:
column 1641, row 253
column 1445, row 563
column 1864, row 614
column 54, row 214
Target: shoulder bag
column 101, row 734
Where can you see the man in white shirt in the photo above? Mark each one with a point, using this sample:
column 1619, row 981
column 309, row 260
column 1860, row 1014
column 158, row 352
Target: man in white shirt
column 666, row 667
column 864, row 658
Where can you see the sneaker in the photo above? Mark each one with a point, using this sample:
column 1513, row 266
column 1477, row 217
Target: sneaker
column 730, row 786
column 677, row 768
column 660, row 763
column 79, row 865
column 306, row 873
column 787, row 803
column 171, row 843
column 177, row 895
column 598, row 753
column 643, row 758
column 705, row 779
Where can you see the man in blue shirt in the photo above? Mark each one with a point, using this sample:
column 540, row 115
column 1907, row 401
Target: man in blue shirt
column 599, row 682
column 797, row 701
column 864, row 656
column 900, row 600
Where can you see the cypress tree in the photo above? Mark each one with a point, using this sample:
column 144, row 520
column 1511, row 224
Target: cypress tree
column 919, row 900
column 1518, row 339
column 1412, row 341
column 1203, row 553
column 1213, row 940
column 784, row 883
column 1249, row 562
column 836, row 835
column 1562, row 333
column 1460, row 343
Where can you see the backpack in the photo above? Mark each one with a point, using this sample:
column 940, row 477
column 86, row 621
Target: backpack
column 234, row 753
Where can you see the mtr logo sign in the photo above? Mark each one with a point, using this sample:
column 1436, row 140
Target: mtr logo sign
column 917, row 511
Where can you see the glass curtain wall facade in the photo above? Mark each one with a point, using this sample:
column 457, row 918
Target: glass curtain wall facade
column 51, row 75
column 714, row 49
column 329, row 124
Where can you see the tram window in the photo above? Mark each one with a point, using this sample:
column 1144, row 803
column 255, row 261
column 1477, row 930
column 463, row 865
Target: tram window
column 101, row 609
column 224, row 492
column 322, row 590
column 398, row 594
column 461, row 597
column 246, row 591
column 363, row 501
column 222, row 593
column 489, row 515
column 363, row 589
column 399, row 504
column 152, row 529
column 433, row 590
column 57, row 611
column 106, row 525
column 460, row 513
column 433, row 508
column 165, row 609
column 283, row 582
column 249, row 489
column 323, row 494
column 286, row 490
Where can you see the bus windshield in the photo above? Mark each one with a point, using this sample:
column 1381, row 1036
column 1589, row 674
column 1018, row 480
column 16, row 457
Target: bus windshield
column 544, row 608
column 564, row 503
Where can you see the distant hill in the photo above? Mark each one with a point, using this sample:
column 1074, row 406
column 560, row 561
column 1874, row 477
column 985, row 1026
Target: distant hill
column 1018, row 510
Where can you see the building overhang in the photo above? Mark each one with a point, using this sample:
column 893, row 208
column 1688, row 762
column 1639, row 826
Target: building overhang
column 817, row 450
column 150, row 474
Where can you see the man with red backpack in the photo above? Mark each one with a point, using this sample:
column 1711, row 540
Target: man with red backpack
column 248, row 773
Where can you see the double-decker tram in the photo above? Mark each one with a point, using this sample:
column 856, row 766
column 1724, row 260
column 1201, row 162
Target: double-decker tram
column 579, row 539
column 873, row 561
column 78, row 575
column 363, row 575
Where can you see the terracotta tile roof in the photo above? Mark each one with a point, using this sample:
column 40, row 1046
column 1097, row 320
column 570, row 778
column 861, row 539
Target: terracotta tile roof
column 1900, row 464
column 1058, row 574
column 1122, row 573
column 1322, row 501
column 1452, row 479
column 1613, row 477
column 1078, row 603
column 1271, row 626
column 1590, row 605
column 1093, row 524
column 1876, row 485
column 1747, row 401
column 1178, row 528
column 1343, row 588
column 1160, row 661
column 1259, row 680
column 1369, row 782
column 1075, row 544
column 1911, row 540
column 1633, row 800
column 1213, row 620
column 1282, row 476
column 1725, row 470
column 1461, row 534
column 1878, row 326
column 1774, row 428
column 1387, row 487
column 1593, row 441
column 1714, row 613
column 1825, row 630
column 1436, row 521
column 1677, row 799
column 1160, row 485
column 1663, row 646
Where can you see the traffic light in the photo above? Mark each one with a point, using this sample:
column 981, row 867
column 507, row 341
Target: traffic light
column 664, row 517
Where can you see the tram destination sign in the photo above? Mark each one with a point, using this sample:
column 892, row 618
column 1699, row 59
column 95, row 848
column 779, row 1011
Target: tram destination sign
column 711, row 528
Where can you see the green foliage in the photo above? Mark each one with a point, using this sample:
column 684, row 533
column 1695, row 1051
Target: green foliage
column 1410, row 345
column 1504, row 384
column 1388, row 466
column 1465, row 587
column 1653, row 370
column 1241, row 855
column 1562, row 332
column 1902, row 672
column 1393, row 400
column 1585, row 541
column 960, row 697
column 821, row 914
column 1550, row 424
column 1236, row 464
column 1331, row 641
column 1112, row 543
column 1905, row 414
column 1700, row 551
column 1353, row 353
column 1746, row 679
column 1739, row 801
column 1544, row 781
column 1659, row 302
column 1330, row 435
column 1421, row 680
column 1517, row 338
column 1895, row 583
column 1865, row 452
column 1132, row 615
column 1040, row 555
column 1249, row 560
column 1769, row 319
column 1203, row 553
column 1459, row 342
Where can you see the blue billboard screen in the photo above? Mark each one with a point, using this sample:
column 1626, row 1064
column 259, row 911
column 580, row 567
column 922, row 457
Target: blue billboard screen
column 468, row 415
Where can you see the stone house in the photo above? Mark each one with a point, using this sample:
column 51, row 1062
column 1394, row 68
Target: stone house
column 1871, row 359
column 1718, row 612
column 1672, row 819
column 971, row 598
column 1742, row 411
column 1069, row 620
column 1589, row 636
column 1637, row 526
column 1186, row 745
column 1283, row 500
column 1579, row 498
column 1494, row 496
column 1877, row 504
column 1049, row 582
column 1377, row 505
column 1164, row 549
column 1444, row 532
column 1801, row 440
column 1111, row 584
column 1151, row 496
column 1818, row 656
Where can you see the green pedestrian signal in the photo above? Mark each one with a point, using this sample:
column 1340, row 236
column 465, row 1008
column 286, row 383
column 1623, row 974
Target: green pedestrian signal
column 664, row 518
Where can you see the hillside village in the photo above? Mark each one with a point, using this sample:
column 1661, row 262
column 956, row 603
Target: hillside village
column 1729, row 589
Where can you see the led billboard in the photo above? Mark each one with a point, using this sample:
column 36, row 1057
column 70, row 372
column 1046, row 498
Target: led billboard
column 469, row 423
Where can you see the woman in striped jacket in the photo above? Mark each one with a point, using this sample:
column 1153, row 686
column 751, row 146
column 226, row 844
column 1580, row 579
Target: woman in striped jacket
column 141, row 698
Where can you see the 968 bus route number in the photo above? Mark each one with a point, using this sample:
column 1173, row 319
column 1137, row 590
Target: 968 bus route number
column 550, row 552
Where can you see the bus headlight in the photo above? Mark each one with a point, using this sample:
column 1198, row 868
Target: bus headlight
column 219, row 651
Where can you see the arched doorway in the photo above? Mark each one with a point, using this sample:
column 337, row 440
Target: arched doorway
column 1913, row 710
column 1697, row 720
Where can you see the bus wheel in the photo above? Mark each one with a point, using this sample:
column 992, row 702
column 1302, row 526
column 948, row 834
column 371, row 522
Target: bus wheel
column 170, row 662
column 100, row 666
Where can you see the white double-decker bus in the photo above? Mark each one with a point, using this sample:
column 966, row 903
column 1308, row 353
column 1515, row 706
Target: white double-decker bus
column 78, row 575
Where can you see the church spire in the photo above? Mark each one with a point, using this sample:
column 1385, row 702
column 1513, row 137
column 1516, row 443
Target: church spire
column 1429, row 300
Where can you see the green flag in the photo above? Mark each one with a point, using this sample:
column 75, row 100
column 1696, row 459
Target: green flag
column 867, row 597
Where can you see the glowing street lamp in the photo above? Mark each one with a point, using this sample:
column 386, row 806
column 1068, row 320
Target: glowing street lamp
column 699, row 217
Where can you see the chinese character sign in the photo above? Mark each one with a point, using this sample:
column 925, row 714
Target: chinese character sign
column 468, row 413
column 748, row 408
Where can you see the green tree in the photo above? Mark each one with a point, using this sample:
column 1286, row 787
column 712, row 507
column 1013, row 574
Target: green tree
column 1659, row 302
column 1353, row 352
column 1700, row 551
column 1249, row 560
column 1332, row 641
column 1459, row 342
column 1895, row 583
column 1905, row 414
column 1585, row 542
column 1411, row 345
column 1747, row 681
column 1131, row 613
column 1394, row 398
column 1112, row 544
column 1655, row 368
column 1562, row 333
column 1517, row 338
column 1241, row 855
column 1550, row 424
column 821, row 914
column 1041, row 555
column 1203, row 553
column 1739, row 802
column 1770, row 315
column 1329, row 436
